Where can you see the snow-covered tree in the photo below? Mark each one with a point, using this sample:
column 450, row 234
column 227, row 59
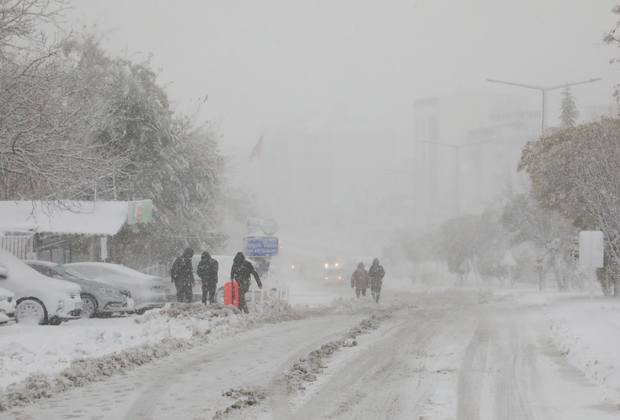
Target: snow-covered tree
column 479, row 239
column 569, row 109
column 612, row 37
column 527, row 220
column 577, row 173
column 45, row 147
column 171, row 159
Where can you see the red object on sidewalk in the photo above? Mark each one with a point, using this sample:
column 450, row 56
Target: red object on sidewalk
column 231, row 294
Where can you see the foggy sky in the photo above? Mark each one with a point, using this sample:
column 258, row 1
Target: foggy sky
column 269, row 61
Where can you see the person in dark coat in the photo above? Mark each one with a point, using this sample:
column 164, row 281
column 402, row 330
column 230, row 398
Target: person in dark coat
column 376, row 274
column 240, row 272
column 182, row 275
column 207, row 271
column 360, row 280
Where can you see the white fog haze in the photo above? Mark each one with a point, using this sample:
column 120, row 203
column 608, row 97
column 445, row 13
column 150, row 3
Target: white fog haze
column 339, row 92
column 320, row 209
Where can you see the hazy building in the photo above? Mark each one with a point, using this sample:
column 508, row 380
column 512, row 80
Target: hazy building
column 327, row 178
column 467, row 147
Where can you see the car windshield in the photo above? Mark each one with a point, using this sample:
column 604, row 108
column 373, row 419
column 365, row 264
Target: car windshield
column 69, row 273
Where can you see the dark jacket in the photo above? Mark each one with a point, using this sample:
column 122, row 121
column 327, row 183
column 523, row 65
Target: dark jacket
column 182, row 272
column 376, row 273
column 207, row 269
column 242, row 270
column 360, row 278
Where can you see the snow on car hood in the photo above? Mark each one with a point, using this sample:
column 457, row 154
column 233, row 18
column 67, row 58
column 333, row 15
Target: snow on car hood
column 22, row 278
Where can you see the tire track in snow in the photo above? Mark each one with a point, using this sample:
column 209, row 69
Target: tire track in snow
column 164, row 378
column 471, row 375
column 378, row 367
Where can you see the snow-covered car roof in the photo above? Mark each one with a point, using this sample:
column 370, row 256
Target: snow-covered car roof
column 97, row 269
column 121, row 269
column 68, row 272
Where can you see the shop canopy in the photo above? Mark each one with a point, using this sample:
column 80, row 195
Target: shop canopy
column 73, row 218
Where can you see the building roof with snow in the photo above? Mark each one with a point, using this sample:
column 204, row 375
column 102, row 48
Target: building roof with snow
column 76, row 217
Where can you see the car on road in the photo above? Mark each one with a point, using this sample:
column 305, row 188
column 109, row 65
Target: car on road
column 99, row 297
column 147, row 292
column 334, row 271
column 39, row 299
column 7, row 305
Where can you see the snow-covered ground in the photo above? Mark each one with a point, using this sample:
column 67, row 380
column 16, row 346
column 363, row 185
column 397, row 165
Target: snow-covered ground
column 584, row 329
column 41, row 361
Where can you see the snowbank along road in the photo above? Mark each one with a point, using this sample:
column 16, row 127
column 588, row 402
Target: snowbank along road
column 449, row 355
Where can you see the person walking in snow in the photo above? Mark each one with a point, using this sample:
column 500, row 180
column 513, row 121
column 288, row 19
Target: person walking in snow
column 207, row 271
column 360, row 280
column 182, row 275
column 240, row 272
column 376, row 274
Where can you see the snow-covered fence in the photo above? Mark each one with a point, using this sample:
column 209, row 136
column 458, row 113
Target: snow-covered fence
column 20, row 246
column 272, row 289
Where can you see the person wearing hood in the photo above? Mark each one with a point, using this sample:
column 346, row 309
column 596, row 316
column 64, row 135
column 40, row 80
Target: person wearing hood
column 360, row 280
column 182, row 275
column 240, row 272
column 376, row 274
column 207, row 271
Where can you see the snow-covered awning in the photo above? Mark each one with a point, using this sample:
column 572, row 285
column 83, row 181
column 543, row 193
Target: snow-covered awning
column 79, row 217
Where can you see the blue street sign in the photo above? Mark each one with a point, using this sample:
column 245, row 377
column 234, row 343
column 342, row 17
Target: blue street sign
column 261, row 246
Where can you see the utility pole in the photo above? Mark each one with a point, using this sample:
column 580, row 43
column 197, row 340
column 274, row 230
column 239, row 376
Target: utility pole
column 544, row 91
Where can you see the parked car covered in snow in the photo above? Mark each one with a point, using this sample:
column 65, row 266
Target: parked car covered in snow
column 7, row 305
column 147, row 292
column 98, row 295
column 38, row 298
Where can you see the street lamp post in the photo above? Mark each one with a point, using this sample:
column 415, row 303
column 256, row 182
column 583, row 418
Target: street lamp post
column 457, row 147
column 544, row 91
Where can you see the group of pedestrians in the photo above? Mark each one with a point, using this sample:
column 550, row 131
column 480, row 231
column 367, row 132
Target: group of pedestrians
column 182, row 275
column 362, row 279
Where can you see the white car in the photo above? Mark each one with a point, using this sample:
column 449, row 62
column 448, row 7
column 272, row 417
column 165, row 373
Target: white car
column 147, row 292
column 7, row 305
column 39, row 299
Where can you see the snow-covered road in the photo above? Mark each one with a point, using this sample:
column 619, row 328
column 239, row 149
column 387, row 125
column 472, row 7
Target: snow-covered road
column 439, row 355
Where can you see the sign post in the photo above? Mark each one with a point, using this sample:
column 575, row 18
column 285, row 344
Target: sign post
column 591, row 254
column 261, row 246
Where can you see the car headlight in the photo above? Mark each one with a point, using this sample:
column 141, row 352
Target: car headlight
column 108, row 291
column 126, row 293
column 7, row 298
column 61, row 305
